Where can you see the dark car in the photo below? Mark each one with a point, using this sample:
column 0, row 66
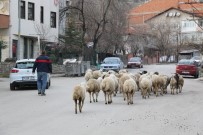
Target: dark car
column 135, row 62
column 188, row 67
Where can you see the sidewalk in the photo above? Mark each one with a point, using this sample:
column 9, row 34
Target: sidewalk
column 57, row 75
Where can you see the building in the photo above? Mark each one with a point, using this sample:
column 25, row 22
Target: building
column 186, row 24
column 138, row 15
column 37, row 24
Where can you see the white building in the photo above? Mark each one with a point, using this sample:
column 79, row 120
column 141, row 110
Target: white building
column 38, row 22
column 187, row 24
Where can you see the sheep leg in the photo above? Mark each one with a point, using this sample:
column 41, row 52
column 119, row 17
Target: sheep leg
column 180, row 90
column 131, row 95
column 93, row 96
column 148, row 92
column 97, row 94
column 109, row 98
column 105, row 97
column 124, row 96
column 128, row 98
column 80, row 105
column 75, row 106
column 90, row 97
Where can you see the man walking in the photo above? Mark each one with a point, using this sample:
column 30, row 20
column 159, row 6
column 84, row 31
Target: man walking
column 44, row 66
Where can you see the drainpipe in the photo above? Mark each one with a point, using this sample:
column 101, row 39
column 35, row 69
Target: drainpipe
column 19, row 25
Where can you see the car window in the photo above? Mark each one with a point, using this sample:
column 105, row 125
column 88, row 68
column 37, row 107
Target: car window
column 24, row 65
column 186, row 62
column 135, row 59
column 111, row 61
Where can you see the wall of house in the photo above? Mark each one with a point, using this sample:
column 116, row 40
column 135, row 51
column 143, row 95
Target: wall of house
column 28, row 27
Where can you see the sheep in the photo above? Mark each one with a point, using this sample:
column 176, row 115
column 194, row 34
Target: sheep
column 108, row 87
column 88, row 75
column 121, row 81
column 93, row 87
column 173, row 85
column 179, row 82
column 137, row 76
column 115, row 79
column 145, row 86
column 79, row 96
column 158, row 82
column 123, row 71
column 96, row 74
column 166, row 82
column 129, row 88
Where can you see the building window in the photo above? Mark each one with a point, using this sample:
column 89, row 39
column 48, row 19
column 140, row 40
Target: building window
column 53, row 20
column 31, row 11
column 42, row 14
column 22, row 9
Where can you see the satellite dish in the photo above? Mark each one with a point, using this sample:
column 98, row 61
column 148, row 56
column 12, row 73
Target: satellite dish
column 170, row 14
column 1, row 4
column 177, row 14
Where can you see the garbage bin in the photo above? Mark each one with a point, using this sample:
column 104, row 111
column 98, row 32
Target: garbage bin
column 76, row 68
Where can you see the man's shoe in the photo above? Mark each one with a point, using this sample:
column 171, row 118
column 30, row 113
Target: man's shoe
column 43, row 94
column 39, row 93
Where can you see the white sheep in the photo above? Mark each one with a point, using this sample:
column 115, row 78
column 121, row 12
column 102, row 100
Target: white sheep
column 166, row 82
column 123, row 71
column 173, row 85
column 88, row 75
column 129, row 88
column 108, row 87
column 79, row 96
column 93, row 88
column 145, row 86
column 96, row 74
column 122, row 79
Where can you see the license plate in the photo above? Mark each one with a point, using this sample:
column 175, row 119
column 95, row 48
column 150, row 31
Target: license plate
column 27, row 78
column 185, row 72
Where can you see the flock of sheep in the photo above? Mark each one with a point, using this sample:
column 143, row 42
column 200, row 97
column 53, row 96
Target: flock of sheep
column 126, row 83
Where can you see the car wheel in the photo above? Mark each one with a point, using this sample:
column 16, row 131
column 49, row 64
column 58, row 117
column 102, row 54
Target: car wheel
column 47, row 86
column 49, row 83
column 12, row 87
column 196, row 76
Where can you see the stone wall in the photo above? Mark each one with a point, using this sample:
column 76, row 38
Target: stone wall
column 5, row 68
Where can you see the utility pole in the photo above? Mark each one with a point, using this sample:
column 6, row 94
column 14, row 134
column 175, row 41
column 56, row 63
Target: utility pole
column 19, row 28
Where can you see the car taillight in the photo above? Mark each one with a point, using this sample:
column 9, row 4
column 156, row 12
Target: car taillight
column 177, row 67
column 14, row 71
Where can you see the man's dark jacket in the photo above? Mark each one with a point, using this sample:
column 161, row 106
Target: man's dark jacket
column 43, row 64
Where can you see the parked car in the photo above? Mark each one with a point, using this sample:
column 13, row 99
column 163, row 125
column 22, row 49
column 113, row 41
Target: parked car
column 112, row 63
column 197, row 59
column 135, row 62
column 188, row 67
column 21, row 75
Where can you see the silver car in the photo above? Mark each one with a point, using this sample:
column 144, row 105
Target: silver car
column 112, row 63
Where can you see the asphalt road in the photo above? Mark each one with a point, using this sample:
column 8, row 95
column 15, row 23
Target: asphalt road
column 23, row 112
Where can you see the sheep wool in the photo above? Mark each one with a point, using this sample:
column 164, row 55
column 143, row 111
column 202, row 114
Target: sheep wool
column 79, row 96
